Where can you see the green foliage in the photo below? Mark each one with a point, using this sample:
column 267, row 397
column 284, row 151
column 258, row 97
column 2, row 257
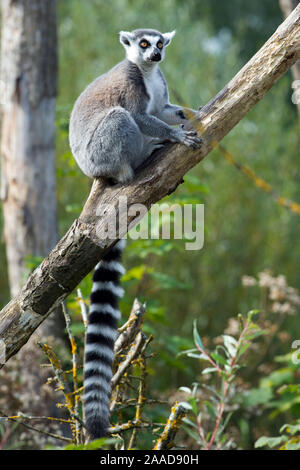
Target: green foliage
column 103, row 443
column 251, row 23
column 277, row 392
column 208, row 399
column 289, row 440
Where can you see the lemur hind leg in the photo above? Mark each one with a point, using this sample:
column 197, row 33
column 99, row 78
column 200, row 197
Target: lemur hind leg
column 115, row 147
column 150, row 144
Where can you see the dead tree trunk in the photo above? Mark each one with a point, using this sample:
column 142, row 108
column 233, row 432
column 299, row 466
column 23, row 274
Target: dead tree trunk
column 28, row 185
column 287, row 6
column 28, row 82
column 82, row 247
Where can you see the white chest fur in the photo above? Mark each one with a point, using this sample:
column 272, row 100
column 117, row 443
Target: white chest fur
column 155, row 89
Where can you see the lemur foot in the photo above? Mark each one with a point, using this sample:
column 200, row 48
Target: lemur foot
column 125, row 174
column 155, row 145
column 159, row 145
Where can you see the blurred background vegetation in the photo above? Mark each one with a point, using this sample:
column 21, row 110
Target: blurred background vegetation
column 246, row 232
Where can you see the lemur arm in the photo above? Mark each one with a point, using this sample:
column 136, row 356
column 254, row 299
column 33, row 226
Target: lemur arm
column 172, row 114
column 154, row 127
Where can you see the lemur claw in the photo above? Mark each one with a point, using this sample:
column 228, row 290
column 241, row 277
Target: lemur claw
column 191, row 139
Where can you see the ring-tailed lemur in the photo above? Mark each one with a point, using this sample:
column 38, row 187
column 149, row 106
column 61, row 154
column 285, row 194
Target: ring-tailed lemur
column 116, row 123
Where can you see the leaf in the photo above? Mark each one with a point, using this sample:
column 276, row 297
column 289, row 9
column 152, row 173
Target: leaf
column 218, row 358
column 185, row 389
column 254, row 334
column 243, row 349
column 187, row 352
column 208, row 370
column 192, row 433
column 290, row 428
column 189, row 422
column 186, row 405
column 193, row 404
column 293, row 445
column 94, row 445
column 230, row 344
column 257, row 396
column 197, row 356
column 211, row 410
column 270, row 441
column 227, row 419
column 230, row 340
column 197, row 338
column 136, row 273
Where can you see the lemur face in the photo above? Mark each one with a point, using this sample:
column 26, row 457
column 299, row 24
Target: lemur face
column 145, row 46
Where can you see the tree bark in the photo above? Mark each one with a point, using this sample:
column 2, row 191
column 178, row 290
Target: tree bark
column 287, row 6
column 28, row 82
column 83, row 246
column 28, row 179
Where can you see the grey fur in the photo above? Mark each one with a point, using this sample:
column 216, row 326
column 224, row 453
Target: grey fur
column 125, row 114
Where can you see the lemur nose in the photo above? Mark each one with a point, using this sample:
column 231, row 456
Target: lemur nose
column 156, row 56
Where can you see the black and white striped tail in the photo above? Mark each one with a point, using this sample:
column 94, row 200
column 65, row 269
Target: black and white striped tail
column 100, row 338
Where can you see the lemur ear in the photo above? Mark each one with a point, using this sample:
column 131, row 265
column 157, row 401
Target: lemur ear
column 125, row 38
column 168, row 37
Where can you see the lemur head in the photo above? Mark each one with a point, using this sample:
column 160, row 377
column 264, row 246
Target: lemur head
column 145, row 47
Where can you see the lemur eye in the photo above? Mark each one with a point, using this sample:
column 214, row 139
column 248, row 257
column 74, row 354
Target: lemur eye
column 144, row 44
column 159, row 45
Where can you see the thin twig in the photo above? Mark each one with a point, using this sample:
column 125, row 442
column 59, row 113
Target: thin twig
column 50, row 418
column 166, row 439
column 62, row 380
column 141, row 399
column 131, row 355
column 221, row 405
column 129, row 425
column 83, row 308
column 50, row 434
column 76, row 425
column 129, row 330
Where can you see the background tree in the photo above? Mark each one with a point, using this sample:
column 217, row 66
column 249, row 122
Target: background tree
column 28, row 175
column 28, row 75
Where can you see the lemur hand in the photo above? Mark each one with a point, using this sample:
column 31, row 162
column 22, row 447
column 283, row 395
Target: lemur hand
column 188, row 137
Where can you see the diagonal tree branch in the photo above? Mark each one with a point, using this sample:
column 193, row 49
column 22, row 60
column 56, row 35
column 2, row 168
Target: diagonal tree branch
column 83, row 245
